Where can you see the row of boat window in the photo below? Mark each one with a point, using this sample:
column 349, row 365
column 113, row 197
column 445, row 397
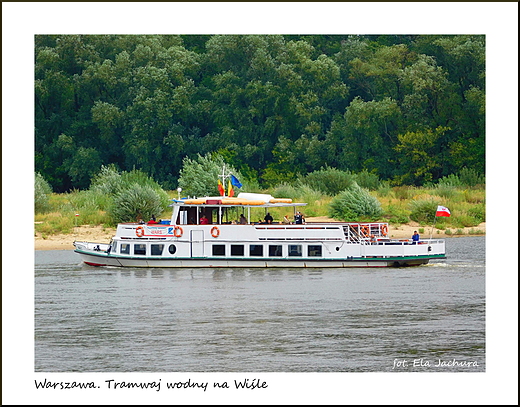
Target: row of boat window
column 254, row 250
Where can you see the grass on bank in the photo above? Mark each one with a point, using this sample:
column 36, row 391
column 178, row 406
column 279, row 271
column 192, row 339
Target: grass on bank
column 467, row 208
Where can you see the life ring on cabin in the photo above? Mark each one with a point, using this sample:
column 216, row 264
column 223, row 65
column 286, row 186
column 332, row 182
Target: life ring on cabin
column 384, row 230
column 215, row 232
column 139, row 232
column 177, row 232
column 365, row 231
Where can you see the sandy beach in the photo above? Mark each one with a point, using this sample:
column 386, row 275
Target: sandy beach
column 103, row 235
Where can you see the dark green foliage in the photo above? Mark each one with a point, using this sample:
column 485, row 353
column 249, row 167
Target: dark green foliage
column 400, row 108
column 355, row 204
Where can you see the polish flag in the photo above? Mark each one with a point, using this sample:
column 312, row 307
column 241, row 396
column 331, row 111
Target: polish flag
column 442, row 211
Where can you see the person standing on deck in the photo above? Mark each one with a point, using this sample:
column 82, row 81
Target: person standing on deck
column 268, row 218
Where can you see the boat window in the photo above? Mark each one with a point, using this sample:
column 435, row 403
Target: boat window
column 140, row 248
column 275, row 250
column 125, row 248
column 219, row 250
column 314, row 251
column 157, row 249
column 295, row 250
column 172, row 249
column 256, row 250
column 237, row 250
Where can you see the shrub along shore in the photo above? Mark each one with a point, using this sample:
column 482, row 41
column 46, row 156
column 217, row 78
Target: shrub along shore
column 330, row 194
column 77, row 216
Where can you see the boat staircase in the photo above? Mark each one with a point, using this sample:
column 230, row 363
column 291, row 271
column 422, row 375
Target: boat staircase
column 352, row 234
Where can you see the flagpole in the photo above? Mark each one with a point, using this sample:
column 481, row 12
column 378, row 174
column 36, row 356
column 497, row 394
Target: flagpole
column 223, row 178
column 434, row 223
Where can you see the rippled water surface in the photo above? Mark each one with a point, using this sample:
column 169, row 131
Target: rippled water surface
column 90, row 319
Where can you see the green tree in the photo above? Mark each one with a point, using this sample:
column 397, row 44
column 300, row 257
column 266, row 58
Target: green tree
column 418, row 150
column 199, row 176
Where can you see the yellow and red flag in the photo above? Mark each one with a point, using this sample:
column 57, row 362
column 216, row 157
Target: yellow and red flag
column 230, row 189
column 221, row 188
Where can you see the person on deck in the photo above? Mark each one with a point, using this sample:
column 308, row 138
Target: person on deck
column 204, row 220
column 243, row 220
column 268, row 218
column 415, row 237
column 298, row 218
column 152, row 221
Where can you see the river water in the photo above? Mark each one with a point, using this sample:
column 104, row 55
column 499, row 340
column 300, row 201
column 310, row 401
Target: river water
column 429, row 318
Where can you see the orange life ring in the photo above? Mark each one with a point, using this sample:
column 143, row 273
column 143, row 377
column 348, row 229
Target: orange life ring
column 139, row 232
column 365, row 230
column 177, row 232
column 384, row 230
column 215, row 232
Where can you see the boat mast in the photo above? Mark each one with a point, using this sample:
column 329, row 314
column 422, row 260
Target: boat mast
column 224, row 176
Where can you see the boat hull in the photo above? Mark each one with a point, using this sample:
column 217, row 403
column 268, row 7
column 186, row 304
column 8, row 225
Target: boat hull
column 103, row 259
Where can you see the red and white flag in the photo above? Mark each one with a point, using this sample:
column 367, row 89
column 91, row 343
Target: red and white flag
column 442, row 211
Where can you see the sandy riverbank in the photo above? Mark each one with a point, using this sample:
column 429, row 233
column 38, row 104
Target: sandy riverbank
column 103, row 235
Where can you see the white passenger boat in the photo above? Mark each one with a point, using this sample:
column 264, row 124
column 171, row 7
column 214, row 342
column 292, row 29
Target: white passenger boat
column 183, row 241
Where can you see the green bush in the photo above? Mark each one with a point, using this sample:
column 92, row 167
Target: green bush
column 138, row 202
column 42, row 190
column 286, row 190
column 478, row 212
column 107, row 181
column 396, row 215
column 423, row 211
column 466, row 177
column 445, row 191
column 384, row 189
column 450, row 181
column 471, row 178
column 367, row 180
column 464, row 221
column 355, row 204
column 92, row 199
column 330, row 181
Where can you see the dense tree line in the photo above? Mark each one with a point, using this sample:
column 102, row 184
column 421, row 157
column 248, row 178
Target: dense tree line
column 409, row 109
